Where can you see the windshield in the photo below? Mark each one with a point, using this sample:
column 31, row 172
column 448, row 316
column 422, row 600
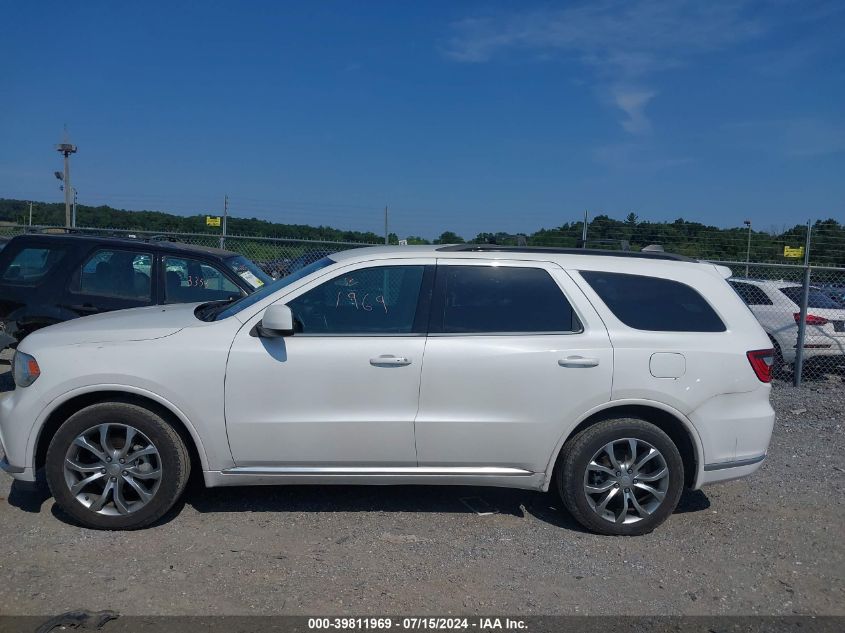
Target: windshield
column 247, row 270
column 818, row 299
column 230, row 309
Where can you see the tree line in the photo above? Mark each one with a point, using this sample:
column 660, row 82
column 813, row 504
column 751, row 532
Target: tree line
column 694, row 239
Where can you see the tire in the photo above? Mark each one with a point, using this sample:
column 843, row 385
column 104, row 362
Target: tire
column 779, row 365
column 632, row 516
column 160, row 473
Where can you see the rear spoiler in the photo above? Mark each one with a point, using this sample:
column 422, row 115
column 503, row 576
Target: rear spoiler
column 724, row 271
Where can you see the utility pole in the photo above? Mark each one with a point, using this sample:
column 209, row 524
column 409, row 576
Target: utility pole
column 797, row 374
column 225, row 217
column 584, row 231
column 748, row 251
column 73, row 216
column 30, row 214
column 386, row 234
column 66, row 149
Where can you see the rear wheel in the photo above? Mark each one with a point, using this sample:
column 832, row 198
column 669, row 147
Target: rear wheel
column 779, row 365
column 621, row 477
column 116, row 466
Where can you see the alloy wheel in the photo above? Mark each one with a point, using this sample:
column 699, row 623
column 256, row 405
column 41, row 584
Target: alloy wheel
column 112, row 469
column 626, row 481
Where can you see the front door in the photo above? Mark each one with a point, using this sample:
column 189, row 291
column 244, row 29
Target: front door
column 343, row 390
column 510, row 365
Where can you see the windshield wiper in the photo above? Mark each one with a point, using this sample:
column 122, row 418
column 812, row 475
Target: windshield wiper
column 207, row 311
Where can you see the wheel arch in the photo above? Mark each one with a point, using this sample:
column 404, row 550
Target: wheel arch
column 60, row 410
column 671, row 421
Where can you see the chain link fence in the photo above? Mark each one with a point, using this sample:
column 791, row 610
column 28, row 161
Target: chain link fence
column 793, row 282
column 781, row 297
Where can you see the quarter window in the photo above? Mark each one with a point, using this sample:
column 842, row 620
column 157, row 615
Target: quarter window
column 751, row 294
column 501, row 299
column 31, row 265
column 379, row 300
column 653, row 303
column 120, row 274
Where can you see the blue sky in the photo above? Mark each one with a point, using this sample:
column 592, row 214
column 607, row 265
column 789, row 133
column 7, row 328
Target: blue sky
column 467, row 116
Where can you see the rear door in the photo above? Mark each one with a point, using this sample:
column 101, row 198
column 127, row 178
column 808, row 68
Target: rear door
column 111, row 278
column 515, row 354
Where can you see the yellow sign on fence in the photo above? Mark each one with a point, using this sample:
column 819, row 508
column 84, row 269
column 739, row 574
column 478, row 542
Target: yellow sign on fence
column 211, row 221
column 789, row 251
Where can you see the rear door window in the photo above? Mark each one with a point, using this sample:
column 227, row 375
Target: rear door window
column 116, row 273
column 32, row 264
column 654, row 303
column 500, row 300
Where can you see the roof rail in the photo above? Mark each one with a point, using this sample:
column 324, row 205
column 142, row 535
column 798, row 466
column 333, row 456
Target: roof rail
column 493, row 248
column 76, row 232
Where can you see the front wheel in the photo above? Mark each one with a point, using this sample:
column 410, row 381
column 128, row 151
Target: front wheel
column 116, row 466
column 621, row 477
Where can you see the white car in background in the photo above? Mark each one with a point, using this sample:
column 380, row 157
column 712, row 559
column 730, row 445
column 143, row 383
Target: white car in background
column 777, row 306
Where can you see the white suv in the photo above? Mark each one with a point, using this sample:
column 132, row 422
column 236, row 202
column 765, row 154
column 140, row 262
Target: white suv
column 615, row 379
column 777, row 306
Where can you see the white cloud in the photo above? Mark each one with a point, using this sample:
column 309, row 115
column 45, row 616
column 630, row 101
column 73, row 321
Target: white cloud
column 633, row 36
column 622, row 42
column 632, row 101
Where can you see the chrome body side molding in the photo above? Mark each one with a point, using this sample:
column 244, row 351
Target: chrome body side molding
column 378, row 475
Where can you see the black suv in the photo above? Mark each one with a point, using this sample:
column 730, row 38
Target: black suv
column 45, row 279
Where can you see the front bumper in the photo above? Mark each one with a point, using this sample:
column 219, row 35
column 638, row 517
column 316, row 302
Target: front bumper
column 17, row 460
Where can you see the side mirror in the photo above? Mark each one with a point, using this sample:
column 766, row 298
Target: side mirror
column 277, row 321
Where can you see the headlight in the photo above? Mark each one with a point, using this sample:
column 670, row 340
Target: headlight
column 25, row 369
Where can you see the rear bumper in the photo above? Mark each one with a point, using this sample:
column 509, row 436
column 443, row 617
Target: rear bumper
column 726, row 471
column 735, row 430
column 815, row 343
column 17, row 472
column 824, row 345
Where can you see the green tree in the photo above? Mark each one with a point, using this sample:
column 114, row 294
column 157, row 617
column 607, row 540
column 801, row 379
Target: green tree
column 448, row 237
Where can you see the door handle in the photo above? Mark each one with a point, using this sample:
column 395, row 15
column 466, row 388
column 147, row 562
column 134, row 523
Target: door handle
column 578, row 361
column 389, row 361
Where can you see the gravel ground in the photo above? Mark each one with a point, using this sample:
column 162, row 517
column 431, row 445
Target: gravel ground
column 771, row 544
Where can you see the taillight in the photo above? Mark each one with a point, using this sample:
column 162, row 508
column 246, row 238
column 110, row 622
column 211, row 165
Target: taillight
column 761, row 362
column 812, row 319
